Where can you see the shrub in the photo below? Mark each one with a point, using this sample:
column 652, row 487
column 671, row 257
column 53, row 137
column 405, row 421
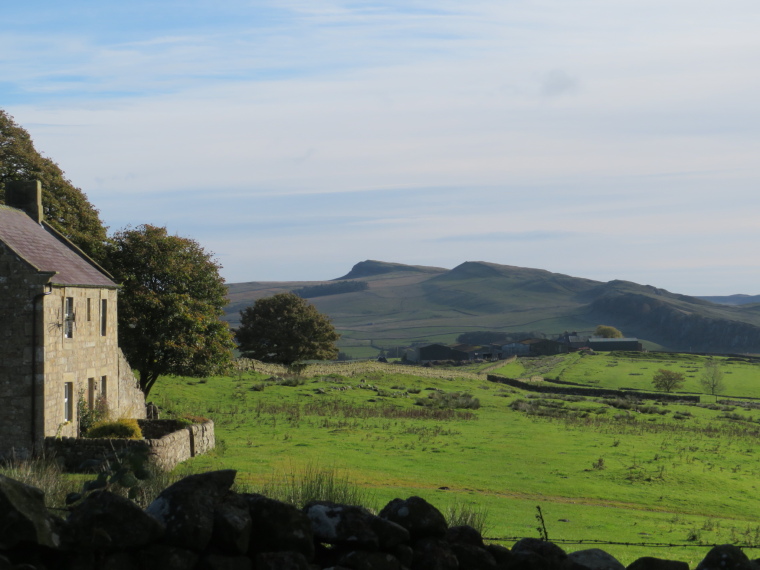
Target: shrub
column 118, row 429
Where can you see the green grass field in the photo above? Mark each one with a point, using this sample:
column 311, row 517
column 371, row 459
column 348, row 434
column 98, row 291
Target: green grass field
column 604, row 470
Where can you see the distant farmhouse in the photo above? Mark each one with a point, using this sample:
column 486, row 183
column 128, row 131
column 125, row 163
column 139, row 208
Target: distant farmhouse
column 599, row 344
column 58, row 334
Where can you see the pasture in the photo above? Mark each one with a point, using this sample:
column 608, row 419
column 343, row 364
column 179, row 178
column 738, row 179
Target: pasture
column 601, row 469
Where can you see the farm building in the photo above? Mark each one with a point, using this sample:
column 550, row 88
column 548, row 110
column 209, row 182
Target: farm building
column 606, row 344
column 58, row 333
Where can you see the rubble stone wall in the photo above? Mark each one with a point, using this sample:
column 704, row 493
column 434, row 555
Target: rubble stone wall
column 177, row 444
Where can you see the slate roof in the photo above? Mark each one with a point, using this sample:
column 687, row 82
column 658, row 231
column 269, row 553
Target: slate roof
column 47, row 251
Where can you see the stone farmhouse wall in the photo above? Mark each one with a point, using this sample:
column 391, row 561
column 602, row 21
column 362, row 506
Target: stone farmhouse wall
column 82, row 353
column 19, row 380
column 168, row 443
column 593, row 392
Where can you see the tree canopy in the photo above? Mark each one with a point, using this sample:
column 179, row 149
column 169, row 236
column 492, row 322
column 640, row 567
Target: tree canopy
column 65, row 207
column 606, row 331
column 286, row 329
column 667, row 380
column 170, row 305
column 711, row 378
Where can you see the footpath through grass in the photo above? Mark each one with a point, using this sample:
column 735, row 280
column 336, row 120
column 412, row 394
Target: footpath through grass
column 601, row 469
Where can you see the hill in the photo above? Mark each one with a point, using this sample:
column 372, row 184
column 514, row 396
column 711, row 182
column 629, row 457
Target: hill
column 402, row 304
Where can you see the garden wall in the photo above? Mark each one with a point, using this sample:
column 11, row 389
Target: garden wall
column 168, row 443
column 599, row 392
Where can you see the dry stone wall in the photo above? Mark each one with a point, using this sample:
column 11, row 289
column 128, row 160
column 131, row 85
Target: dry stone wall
column 168, row 443
column 199, row 523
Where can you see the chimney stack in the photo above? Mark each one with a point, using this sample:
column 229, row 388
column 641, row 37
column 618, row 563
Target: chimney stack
column 25, row 195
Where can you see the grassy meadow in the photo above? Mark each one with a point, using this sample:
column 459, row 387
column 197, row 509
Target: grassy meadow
column 613, row 470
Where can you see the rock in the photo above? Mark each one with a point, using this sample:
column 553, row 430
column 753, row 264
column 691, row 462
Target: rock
column 472, row 557
column 404, row 553
column 501, row 554
column 281, row 561
column 342, row 525
column 389, row 534
column 232, row 525
column 552, row 553
column 166, row 557
column 109, row 522
column 725, row 557
column 277, row 526
column 464, row 534
column 219, row 562
column 417, row 516
column 433, row 554
column 650, row 563
column 362, row 560
column 24, row 518
column 591, row 559
column 186, row 508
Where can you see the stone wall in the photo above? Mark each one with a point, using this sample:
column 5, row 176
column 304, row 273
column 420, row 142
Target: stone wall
column 168, row 443
column 20, row 303
column 591, row 392
column 200, row 523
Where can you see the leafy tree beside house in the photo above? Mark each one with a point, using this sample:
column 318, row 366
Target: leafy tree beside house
column 170, row 305
column 65, row 206
column 286, row 329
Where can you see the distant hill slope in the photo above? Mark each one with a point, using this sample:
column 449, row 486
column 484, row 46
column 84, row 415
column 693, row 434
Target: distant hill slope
column 406, row 303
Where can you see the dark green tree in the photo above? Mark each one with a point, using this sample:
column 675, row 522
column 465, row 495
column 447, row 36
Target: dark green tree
column 170, row 305
column 606, row 331
column 667, row 380
column 65, row 207
column 286, row 329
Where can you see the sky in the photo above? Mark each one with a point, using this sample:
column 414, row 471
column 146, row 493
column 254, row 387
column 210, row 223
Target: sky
column 292, row 138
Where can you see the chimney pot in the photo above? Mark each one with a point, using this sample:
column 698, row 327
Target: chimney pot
column 25, row 195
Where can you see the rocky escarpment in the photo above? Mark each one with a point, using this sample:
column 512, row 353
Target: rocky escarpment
column 679, row 329
column 200, row 524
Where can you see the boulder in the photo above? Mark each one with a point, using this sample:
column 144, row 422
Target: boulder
column 278, row 527
column 725, row 557
column 232, row 525
column 417, row 516
column 219, row 562
column 464, row 534
column 525, row 550
column 363, row 560
column 281, row 561
column 591, row 559
column 186, row 508
column 342, row 525
column 166, row 557
column 24, row 518
column 472, row 557
column 106, row 521
column 650, row 563
column 433, row 554
column 501, row 554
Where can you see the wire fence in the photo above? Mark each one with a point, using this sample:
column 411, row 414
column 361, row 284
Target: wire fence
column 596, row 542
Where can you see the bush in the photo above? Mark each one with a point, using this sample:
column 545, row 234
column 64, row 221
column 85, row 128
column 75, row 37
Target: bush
column 118, row 429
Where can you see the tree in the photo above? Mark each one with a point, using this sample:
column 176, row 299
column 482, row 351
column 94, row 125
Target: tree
column 712, row 377
column 605, row 331
column 65, row 207
column 170, row 305
column 286, row 329
column 667, row 380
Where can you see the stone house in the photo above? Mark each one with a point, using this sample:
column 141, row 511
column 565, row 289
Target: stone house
column 58, row 332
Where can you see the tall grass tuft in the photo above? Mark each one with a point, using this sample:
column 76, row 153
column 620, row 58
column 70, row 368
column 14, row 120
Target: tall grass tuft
column 44, row 473
column 476, row 516
column 315, row 483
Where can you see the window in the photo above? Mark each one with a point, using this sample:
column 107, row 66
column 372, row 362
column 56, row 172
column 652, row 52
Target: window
column 89, row 309
column 103, row 316
column 91, row 393
column 68, row 401
column 104, row 387
column 68, row 317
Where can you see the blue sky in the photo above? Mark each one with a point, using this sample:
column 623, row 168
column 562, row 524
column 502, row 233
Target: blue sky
column 607, row 140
